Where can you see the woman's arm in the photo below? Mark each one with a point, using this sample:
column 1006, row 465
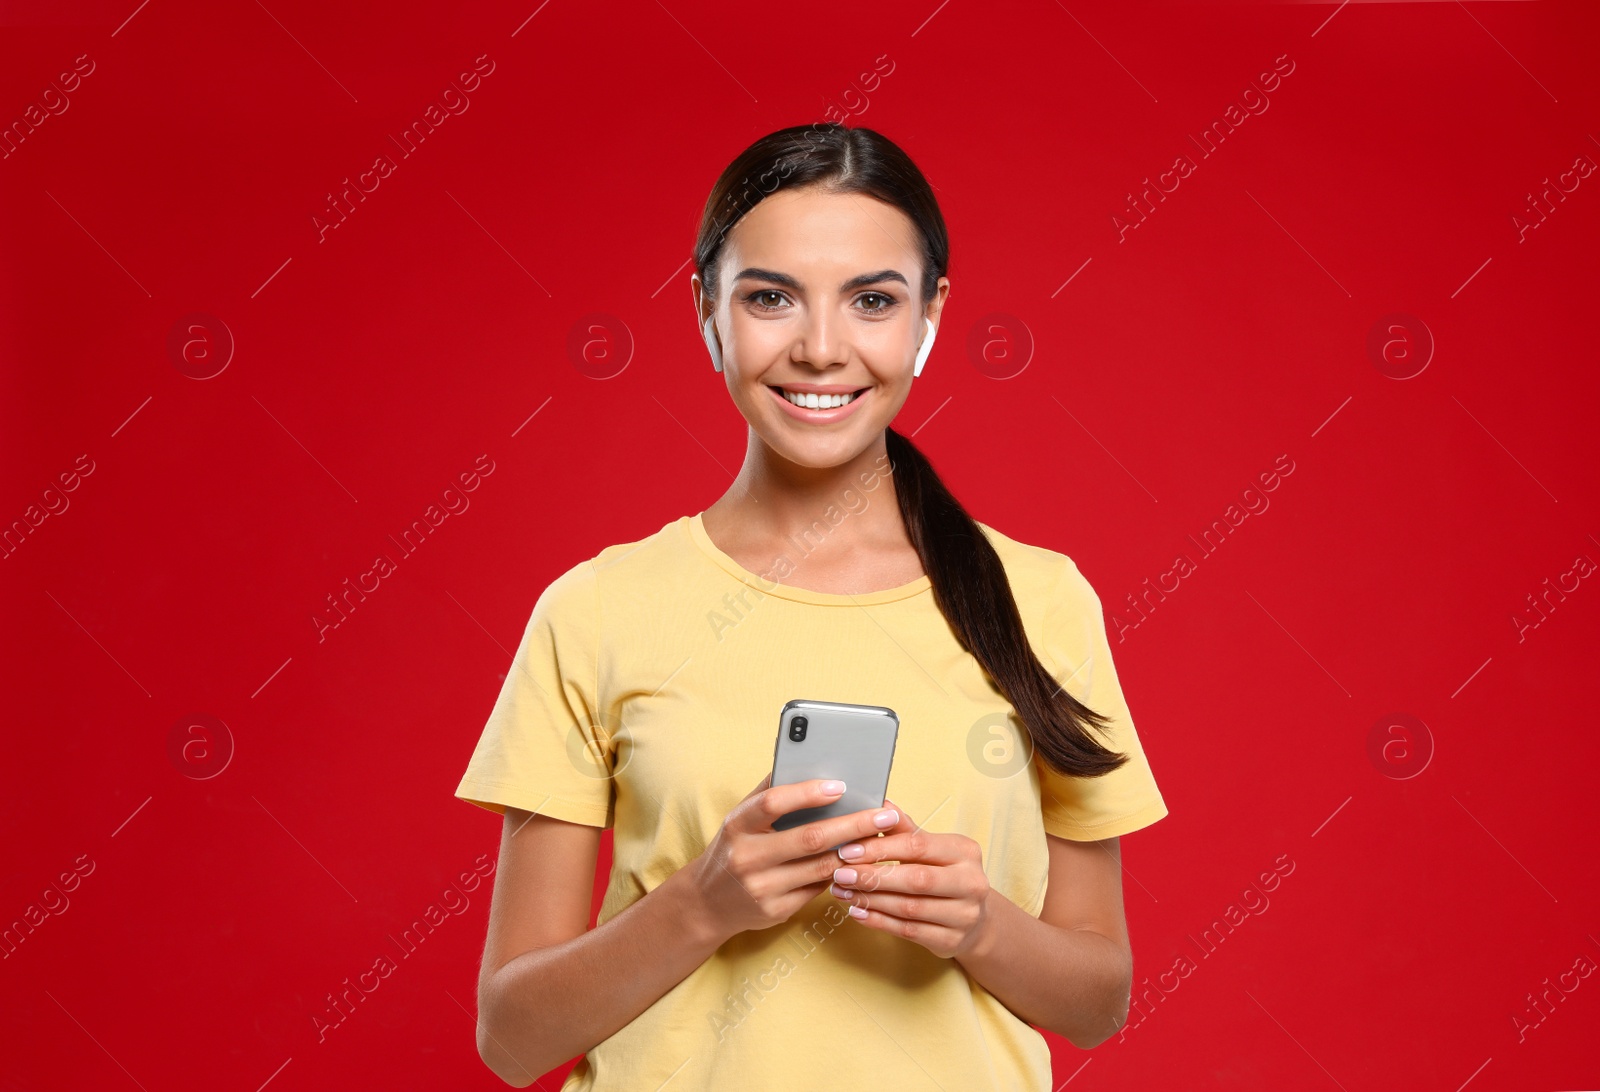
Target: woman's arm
column 550, row 988
column 1070, row 970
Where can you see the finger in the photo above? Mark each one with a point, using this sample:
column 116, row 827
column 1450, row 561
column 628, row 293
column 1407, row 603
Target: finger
column 907, row 917
column 823, row 835
column 914, row 878
column 899, row 844
column 765, row 806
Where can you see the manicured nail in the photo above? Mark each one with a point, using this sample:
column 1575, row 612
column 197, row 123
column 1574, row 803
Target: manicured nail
column 886, row 818
column 857, row 912
column 844, row 875
column 832, row 788
column 851, row 851
column 839, row 892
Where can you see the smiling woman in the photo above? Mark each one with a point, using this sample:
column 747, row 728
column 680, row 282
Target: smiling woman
column 985, row 894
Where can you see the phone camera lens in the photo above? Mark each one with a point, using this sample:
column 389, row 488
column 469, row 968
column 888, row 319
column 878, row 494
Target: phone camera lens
column 797, row 729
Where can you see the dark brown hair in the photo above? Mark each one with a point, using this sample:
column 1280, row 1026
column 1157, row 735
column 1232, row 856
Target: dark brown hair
column 969, row 581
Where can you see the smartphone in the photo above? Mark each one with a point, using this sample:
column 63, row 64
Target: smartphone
column 847, row 742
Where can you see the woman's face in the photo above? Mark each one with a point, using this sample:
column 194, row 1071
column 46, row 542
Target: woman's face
column 819, row 295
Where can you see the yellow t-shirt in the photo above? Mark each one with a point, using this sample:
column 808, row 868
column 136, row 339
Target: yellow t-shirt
column 644, row 696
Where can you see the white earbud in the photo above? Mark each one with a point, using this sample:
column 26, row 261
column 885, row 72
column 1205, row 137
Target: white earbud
column 715, row 347
column 927, row 347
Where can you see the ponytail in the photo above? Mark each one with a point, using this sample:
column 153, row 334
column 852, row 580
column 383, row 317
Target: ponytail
column 973, row 593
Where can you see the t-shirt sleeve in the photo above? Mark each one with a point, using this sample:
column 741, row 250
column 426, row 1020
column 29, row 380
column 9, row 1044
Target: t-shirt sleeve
column 1078, row 654
column 545, row 748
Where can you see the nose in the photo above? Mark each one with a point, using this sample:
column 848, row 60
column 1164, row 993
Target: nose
column 823, row 342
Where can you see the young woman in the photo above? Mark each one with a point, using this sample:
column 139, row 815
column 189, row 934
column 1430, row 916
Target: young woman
column 644, row 697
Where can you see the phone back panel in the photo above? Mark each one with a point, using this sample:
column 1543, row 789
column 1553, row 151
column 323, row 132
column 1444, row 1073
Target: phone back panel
column 850, row 743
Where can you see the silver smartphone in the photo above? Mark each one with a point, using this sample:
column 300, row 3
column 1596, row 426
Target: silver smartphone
column 840, row 740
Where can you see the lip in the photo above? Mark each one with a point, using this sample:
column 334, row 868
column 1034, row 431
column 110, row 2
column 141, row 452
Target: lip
column 821, row 416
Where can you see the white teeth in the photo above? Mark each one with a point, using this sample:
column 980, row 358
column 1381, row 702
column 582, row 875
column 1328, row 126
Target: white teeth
column 818, row 401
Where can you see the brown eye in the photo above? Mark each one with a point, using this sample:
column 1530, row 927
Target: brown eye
column 885, row 302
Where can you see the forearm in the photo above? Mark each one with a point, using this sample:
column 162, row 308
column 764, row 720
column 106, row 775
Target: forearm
column 550, row 1004
column 1070, row 981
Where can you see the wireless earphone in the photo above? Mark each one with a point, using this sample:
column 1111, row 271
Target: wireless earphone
column 714, row 347
column 709, row 330
column 925, row 349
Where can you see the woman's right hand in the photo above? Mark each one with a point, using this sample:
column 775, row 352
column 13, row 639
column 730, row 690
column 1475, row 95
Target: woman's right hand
column 753, row 877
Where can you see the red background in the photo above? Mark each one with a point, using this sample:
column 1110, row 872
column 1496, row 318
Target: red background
column 1381, row 579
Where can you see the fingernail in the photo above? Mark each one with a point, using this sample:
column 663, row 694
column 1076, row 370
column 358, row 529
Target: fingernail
column 857, row 912
column 839, row 892
column 886, row 818
column 844, row 875
column 832, row 788
column 851, row 852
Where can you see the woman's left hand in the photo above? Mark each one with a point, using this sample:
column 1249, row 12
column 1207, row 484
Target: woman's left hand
column 932, row 890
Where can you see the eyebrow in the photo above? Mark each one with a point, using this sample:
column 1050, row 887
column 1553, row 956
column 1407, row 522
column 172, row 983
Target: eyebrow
column 853, row 283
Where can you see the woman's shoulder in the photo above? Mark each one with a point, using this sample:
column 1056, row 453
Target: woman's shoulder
column 1038, row 570
column 1026, row 557
column 651, row 558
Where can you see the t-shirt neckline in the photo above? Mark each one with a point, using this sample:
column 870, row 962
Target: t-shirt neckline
column 697, row 533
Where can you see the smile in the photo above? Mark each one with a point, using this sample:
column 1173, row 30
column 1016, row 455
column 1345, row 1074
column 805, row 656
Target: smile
column 810, row 406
